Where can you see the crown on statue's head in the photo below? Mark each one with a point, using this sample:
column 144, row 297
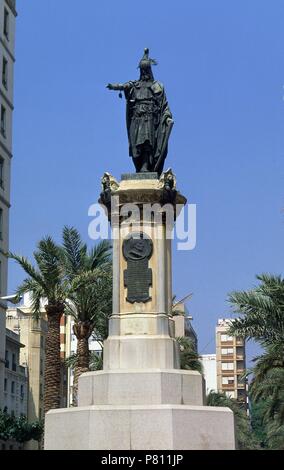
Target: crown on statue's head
column 146, row 62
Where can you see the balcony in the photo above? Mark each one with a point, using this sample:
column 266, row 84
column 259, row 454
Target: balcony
column 227, row 373
column 241, row 385
column 240, row 357
column 227, row 356
column 227, row 343
column 22, row 370
column 228, row 386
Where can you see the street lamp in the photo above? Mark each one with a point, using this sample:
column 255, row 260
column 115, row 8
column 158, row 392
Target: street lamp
column 14, row 299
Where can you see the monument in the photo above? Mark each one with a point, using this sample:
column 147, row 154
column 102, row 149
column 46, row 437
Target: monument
column 142, row 399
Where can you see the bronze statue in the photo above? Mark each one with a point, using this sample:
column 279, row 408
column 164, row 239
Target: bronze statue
column 148, row 118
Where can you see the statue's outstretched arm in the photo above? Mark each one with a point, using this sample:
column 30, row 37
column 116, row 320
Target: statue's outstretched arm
column 116, row 86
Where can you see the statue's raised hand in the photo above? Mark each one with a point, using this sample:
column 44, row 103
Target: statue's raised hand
column 110, row 86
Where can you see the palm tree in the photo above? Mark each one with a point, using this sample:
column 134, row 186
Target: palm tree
column 244, row 436
column 261, row 310
column 47, row 281
column 90, row 293
column 189, row 359
column 95, row 361
column 269, row 386
column 262, row 319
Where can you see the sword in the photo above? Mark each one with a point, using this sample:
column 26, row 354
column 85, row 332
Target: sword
column 166, row 139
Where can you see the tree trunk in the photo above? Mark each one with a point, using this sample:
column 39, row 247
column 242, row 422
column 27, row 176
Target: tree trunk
column 52, row 376
column 82, row 331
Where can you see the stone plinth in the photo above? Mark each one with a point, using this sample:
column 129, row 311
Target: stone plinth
column 141, row 400
column 148, row 427
column 136, row 387
column 140, row 333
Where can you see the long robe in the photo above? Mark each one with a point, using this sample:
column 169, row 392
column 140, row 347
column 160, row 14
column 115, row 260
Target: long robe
column 146, row 117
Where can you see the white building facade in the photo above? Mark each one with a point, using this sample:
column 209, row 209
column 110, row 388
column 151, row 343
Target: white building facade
column 209, row 371
column 71, row 349
column 7, row 58
column 15, row 379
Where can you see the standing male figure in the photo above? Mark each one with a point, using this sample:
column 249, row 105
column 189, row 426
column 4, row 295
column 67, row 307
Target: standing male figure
column 148, row 118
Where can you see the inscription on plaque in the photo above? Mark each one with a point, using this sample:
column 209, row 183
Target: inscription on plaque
column 137, row 250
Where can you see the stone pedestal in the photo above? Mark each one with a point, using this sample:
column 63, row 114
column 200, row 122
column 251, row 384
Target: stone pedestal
column 141, row 399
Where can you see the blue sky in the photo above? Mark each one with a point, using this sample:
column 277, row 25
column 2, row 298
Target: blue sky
column 222, row 66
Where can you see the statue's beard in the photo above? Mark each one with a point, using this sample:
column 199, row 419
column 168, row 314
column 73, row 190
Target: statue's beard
column 146, row 77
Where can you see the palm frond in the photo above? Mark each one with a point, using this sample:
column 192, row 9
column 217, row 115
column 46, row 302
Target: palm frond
column 75, row 251
column 189, row 359
column 100, row 254
column 27, row 267
column 261, row 311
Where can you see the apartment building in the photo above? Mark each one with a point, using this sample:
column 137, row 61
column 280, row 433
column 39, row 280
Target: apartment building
column 15, row 380
column 7, row 59
column 183, row 325
column 32, row 333
column 231, row 362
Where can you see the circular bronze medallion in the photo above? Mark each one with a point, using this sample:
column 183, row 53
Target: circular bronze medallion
column 137, row 246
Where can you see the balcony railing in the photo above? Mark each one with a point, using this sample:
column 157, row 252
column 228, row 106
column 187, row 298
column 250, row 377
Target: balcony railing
column 241, row 385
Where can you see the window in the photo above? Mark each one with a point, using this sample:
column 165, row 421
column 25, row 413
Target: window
column 227, row 366
column 3, row 121
column 228, row 381
column 1, row 223
column 41, row 367
column 5, row 385
column 12, row 386
column 241, row 394
column 22, row 392
column 14, row 365
column 1, row 173
column 6, row 23
column 226, row 338
column 5, row 72
column 240, row 365
column 240, row 352
column 226, row 351
column 241, row 380
column 7, row 364
column 229, row 394
column 40, row 391
column 41, row 342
